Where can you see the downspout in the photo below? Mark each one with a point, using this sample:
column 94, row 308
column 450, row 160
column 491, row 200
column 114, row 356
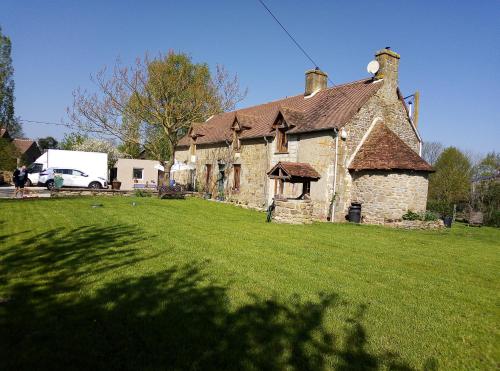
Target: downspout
column 266, row 180
column 334, row 196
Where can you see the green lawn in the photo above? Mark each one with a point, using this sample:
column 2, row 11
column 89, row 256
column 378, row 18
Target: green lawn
column 192, row 284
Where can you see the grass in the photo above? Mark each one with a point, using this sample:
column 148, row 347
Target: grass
column 193, row 284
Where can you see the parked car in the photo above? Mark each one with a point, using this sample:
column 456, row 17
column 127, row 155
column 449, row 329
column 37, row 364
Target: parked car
column 71, row 178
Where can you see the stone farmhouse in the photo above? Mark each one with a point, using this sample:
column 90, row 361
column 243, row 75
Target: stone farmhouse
column 316, row 152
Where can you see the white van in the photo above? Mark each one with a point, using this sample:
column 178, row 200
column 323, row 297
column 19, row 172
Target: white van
column 93, row 164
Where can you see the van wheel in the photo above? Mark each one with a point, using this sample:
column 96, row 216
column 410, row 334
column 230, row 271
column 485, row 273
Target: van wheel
column 50, row 185
column 29, row 183
column 95, row 185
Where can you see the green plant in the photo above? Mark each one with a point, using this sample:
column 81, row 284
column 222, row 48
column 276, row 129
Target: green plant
column 141, row 193
column 410, row 215
column 430, row 216
column 442, row 208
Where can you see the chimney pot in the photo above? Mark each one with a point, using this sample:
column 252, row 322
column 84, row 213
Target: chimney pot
column 316, row 80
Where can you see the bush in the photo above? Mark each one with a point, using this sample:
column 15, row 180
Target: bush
column 141, row 193
column 430, row 216
column 494, row 219
column 410, row 215
column 426, row 216
column 442, row 208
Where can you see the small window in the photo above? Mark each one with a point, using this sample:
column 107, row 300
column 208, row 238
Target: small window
column 281, row 141
column 77, row 173
column 137, row 173
column 237, row 174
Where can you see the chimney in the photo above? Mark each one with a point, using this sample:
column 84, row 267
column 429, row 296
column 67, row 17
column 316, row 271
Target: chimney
column 315, row 81
column 388, row 71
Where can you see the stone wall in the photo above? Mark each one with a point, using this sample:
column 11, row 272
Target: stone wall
column 253, row 157
column 386, row 196
column 318, row 150
column 383, row 106
column 293, row 211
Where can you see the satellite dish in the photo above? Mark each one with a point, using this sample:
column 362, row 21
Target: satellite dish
column 373, row 67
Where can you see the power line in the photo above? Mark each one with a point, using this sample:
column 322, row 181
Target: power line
column 288, row 33
column 43, row 122
column 301, row 48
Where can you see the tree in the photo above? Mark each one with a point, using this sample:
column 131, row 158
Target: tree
column 485, row 195
column 103, row 146
column 162, row 97
column 7, row 118
column 8, row 155
column 488, row 166
column 47, row 143
column 451, row 181
column 431, row 151
column 71, row 140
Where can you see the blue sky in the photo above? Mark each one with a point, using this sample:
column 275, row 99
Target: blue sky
column 450, row 51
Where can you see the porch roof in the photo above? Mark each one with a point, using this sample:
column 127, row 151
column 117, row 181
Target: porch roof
column 294, row 172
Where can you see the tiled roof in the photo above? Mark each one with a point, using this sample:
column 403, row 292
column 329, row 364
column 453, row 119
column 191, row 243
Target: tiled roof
column 295, row 170
column 327, row 109
column 23, row 144
column 384, row 150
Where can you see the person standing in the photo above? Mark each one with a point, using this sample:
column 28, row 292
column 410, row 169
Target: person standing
column 20, row 177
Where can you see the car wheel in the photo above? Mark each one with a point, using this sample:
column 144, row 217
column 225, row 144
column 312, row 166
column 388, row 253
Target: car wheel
column 50, row 185
column 29, row 183
column 95, row 185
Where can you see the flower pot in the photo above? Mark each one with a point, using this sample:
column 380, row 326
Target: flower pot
column 116, row 184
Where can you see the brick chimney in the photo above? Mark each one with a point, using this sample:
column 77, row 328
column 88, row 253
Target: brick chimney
column 388, row 71
column 315, row 81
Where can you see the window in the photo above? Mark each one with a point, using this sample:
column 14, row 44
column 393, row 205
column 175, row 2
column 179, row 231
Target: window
column 208, row 176
column 281, row 141
column 77, row 172
column 137, row 173
column 63, row 171
column 237, row 173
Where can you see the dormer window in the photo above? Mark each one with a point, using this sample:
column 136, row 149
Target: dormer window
column 281, row 141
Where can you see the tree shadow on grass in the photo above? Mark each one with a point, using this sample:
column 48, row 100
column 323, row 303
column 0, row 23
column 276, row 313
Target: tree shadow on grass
column 174, row 319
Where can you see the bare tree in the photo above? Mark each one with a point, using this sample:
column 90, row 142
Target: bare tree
column 162, row 97
column 431, row 151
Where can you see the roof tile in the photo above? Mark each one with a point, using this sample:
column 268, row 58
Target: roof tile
column 327, row 109
column 384, row 150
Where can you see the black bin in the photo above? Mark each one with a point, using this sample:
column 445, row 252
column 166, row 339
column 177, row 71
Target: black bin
column 447, row 221
column 355, row 212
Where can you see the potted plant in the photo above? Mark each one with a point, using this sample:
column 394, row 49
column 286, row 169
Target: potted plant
column 115, row 184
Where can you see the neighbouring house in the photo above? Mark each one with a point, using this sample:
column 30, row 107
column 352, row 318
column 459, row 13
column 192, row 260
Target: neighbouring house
column 27, row 149
column 328, row 147
column 137, row 173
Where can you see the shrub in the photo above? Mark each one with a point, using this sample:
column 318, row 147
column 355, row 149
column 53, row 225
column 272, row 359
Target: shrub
column 426, row 216
column 141, row 193
column 442, row 208
column 430, row 216
column 494, row 219
column 410, row 215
